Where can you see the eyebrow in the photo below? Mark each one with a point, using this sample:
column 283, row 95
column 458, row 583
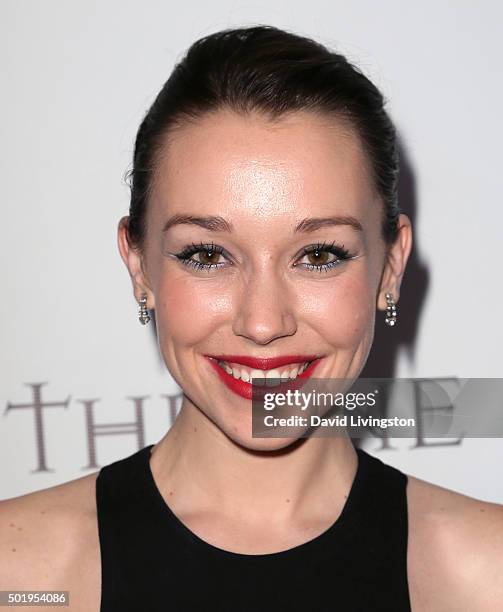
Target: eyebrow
column 219, row 224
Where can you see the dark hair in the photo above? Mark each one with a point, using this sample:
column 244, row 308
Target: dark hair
column 272, row 71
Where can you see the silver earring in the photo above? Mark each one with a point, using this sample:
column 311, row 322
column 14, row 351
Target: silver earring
column 390, row 310
column 142, row 310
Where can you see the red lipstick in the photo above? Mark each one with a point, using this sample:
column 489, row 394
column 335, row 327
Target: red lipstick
column 264, row 363
column 249, row 391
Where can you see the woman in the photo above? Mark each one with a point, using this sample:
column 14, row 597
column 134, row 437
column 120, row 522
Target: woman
column 264, row 232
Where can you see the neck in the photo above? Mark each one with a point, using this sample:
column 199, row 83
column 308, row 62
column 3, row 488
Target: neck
column 197, row 467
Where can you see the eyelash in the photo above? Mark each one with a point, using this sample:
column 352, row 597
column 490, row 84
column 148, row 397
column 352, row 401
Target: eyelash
column 340, row 251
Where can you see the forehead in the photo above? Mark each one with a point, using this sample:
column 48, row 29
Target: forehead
column 248, row 164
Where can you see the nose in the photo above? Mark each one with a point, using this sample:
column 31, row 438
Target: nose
column 265, row 310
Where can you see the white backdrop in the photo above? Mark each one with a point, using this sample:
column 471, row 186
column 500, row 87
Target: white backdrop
column 77, row 78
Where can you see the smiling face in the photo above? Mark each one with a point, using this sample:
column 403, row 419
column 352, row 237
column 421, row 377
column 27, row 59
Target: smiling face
column 254, row 274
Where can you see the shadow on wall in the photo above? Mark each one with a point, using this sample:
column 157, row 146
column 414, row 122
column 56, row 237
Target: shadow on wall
column 383, row 356
column 381, row 362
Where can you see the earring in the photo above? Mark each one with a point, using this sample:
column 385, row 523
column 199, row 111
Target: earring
column 390, row 310
column 142, row 310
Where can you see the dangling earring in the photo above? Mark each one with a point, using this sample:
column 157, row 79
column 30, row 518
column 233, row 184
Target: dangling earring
column 142, row 311
column 390, row 310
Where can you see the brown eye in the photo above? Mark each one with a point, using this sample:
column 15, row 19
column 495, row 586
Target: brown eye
column 318, row 257
column 324, row 257
column 208, row 257
column 202, row 256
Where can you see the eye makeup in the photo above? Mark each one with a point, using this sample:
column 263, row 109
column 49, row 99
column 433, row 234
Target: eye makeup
column 209, row 254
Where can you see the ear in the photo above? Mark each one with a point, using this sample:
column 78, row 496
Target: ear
column 134, row 261
column 396, row 259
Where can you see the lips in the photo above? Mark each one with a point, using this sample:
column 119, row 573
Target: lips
column 264, row 363
column 249, row 391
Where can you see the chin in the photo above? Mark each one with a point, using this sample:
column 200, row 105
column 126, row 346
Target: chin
column 264, row 444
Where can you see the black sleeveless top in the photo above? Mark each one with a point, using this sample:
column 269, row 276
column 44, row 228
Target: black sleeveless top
column 152, row 562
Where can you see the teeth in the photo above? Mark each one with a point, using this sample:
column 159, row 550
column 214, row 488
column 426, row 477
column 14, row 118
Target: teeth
column 285, row 376
column 263, row 377
column 227, row 368
column 260, row 377
column 271, row 376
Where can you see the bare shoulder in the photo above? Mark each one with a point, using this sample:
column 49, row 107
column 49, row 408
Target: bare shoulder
column 455, row 550
column 49, row 541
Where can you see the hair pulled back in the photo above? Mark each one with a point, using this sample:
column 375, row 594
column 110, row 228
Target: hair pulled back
column 268, row 70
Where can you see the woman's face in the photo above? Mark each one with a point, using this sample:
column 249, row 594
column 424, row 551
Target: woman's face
column 257, row 196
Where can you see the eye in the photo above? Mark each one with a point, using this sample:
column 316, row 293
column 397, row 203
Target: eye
column 324, row 257
column 321, row 257
column 208, row 256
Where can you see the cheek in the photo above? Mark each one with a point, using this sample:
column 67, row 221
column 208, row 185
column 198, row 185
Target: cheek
column 341, row 311
column 188, row 310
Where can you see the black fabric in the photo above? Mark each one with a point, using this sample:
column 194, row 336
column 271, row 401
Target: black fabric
column 152, row 562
